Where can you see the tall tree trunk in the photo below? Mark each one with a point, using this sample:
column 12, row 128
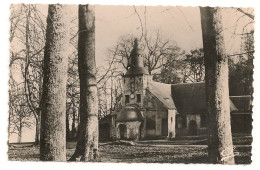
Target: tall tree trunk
column 37, row 129
column 19, row 140
column 78, row 122
column 67, row 127
column 73, row 125
column 87, row 145
column 38, row 115
column 220, row 146
column 53, row 110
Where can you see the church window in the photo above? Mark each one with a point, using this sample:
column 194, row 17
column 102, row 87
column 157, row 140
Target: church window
column 127, row 99
column 138, row 96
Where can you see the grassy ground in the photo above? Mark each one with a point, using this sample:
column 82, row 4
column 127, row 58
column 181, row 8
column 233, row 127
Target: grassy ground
column 180, row 150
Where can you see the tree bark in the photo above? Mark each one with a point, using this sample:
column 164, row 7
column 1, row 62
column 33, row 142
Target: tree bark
column 53, row 108
column 37, row 129
column 20, row 132
column 67, row 127
column 220, row 146
column 87, row 145
column 73, row 125
column 19, row 140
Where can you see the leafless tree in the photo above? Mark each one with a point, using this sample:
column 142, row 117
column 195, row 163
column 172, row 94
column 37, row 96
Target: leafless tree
column 73, row 96
column 19, row 113
column 53, row 126
column 87, row 145
column 157, row 51
column 220, row 146
column 28, row 29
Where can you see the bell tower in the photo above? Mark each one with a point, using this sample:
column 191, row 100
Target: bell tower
column 136, row 79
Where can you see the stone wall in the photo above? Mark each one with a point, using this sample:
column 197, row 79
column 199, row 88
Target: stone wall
column 132, row 130
column 135, row 85
column 150, row 128
column 157, row 111
column 171, row 123
column 158, row 131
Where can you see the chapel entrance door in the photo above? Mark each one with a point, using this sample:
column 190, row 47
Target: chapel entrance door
column 192, row 128
column 122, row 131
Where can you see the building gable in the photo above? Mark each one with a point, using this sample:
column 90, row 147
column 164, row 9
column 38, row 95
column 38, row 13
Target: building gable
column 162, row 92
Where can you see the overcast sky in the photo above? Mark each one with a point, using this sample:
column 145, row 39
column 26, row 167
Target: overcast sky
column 179, row 24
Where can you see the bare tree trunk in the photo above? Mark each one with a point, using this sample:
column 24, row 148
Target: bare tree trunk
column 73, row 125
column 53, row 107
column 78, row 122
column 67, row 127
column 19, row 140
column 20, row 132
column 35, row 112
column 37, row 130
column 87, row 145
column 220, row 146
column 38, row 116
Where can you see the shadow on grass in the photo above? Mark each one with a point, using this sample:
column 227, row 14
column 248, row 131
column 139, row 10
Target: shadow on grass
column 161, row 151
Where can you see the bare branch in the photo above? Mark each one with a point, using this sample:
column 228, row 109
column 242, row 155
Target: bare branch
column 185, row 18
column 141, row 24
column 247, row 14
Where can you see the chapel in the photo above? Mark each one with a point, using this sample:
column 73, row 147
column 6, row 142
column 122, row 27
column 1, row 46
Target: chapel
column 151, row 110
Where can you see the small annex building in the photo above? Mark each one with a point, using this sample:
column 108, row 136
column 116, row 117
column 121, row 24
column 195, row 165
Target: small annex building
column 152, row 110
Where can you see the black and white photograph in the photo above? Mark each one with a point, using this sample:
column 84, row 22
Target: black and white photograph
column 132, row 84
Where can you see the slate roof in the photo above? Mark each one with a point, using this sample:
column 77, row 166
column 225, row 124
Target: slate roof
column 187, row 98
column 136, row 50
column 162, row 92
column 243, row 103
column 137, row 63
column 190, row 98
column 129, row 113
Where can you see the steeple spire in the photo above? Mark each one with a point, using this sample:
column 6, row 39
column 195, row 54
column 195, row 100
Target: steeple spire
column 136, row 55
column 137, row 62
